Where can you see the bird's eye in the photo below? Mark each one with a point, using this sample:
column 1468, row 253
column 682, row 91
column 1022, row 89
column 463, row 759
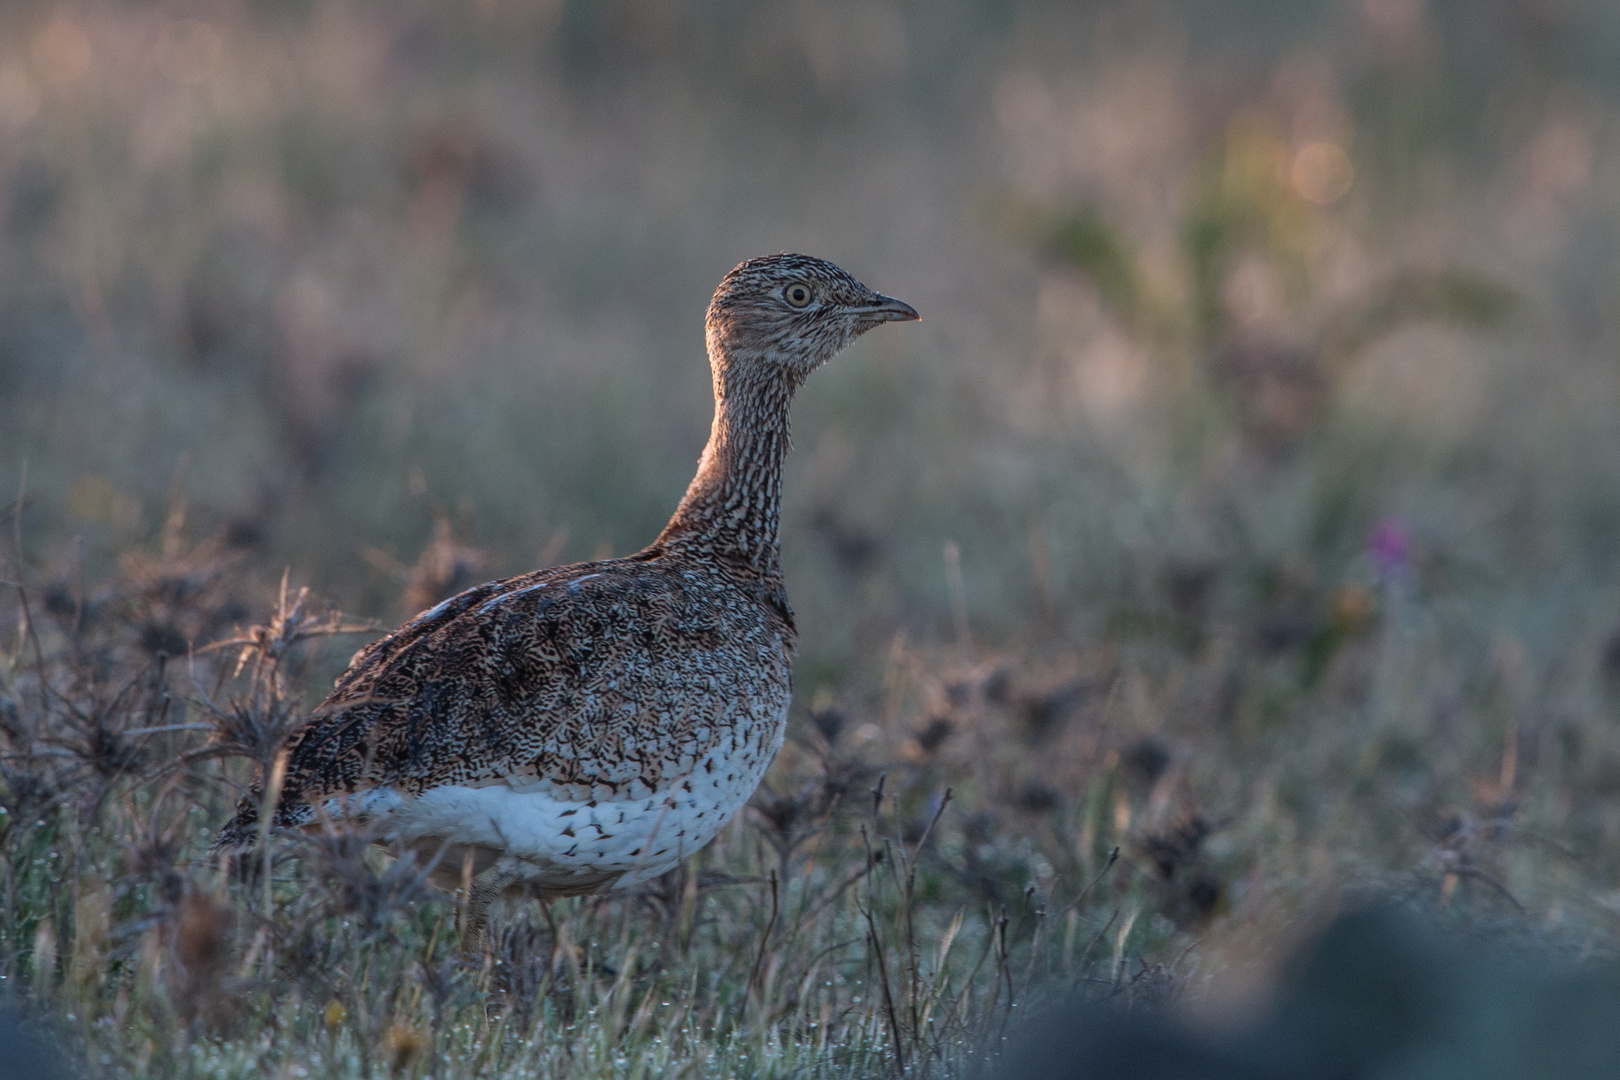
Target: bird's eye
column 797, row 295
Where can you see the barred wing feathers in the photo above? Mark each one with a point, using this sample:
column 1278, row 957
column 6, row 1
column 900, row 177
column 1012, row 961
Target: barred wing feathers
column 601, row 679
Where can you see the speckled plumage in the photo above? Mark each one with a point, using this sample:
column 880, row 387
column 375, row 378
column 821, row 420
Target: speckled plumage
column 589, row 726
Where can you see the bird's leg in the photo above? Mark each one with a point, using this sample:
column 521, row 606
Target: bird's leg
column 481, row 892
column 551, row 960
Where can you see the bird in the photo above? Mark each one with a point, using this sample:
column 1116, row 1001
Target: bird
column 587, row 728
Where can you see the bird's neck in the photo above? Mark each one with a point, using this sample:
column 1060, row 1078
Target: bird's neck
column 733, row 506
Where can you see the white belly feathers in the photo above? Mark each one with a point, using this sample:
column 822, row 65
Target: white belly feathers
column 554, row 840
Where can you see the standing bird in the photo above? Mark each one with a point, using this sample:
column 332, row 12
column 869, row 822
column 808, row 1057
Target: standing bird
column 588, row 727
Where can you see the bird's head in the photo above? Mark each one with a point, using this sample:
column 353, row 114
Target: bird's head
column 793, row 312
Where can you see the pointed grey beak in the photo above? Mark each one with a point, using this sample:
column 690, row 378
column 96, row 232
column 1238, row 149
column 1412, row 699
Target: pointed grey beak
column 886, row 309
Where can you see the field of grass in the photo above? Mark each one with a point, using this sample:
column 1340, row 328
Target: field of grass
column 1237, row 534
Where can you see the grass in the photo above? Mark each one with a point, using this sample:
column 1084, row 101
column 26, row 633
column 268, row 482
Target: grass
column 981, row 829
column 826, row 933
column 1226, row 541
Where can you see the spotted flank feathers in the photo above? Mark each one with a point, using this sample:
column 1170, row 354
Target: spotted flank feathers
column 589, row 727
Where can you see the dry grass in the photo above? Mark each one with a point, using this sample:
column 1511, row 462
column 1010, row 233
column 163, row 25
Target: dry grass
column 1224, row 541
column 981, row 829
column 853, row 919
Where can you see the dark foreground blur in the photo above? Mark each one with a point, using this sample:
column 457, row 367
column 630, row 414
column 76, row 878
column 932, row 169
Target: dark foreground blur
column 1380, row 993
column 26, row 1053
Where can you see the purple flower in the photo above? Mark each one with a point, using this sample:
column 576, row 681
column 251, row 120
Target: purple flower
column 1390, row 545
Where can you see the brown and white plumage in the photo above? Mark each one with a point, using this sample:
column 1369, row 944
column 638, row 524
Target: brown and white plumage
column 589, row 726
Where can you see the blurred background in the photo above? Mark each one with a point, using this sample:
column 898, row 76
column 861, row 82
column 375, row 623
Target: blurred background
column 1238, row 530
column 1271, row 345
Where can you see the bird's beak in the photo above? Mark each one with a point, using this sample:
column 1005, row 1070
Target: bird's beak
column 886, row 309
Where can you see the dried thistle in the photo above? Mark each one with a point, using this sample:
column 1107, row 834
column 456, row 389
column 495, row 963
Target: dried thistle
column 256, row 722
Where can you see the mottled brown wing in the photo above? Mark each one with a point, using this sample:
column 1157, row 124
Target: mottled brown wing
column 376, row 656
column 570, row 674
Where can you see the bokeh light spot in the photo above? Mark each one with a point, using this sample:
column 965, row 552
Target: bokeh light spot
column 1322, row 173
column 61, row 52
column 1560, row 159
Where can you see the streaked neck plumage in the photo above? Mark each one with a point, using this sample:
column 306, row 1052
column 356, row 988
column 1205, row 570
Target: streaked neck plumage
column 733, row 506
